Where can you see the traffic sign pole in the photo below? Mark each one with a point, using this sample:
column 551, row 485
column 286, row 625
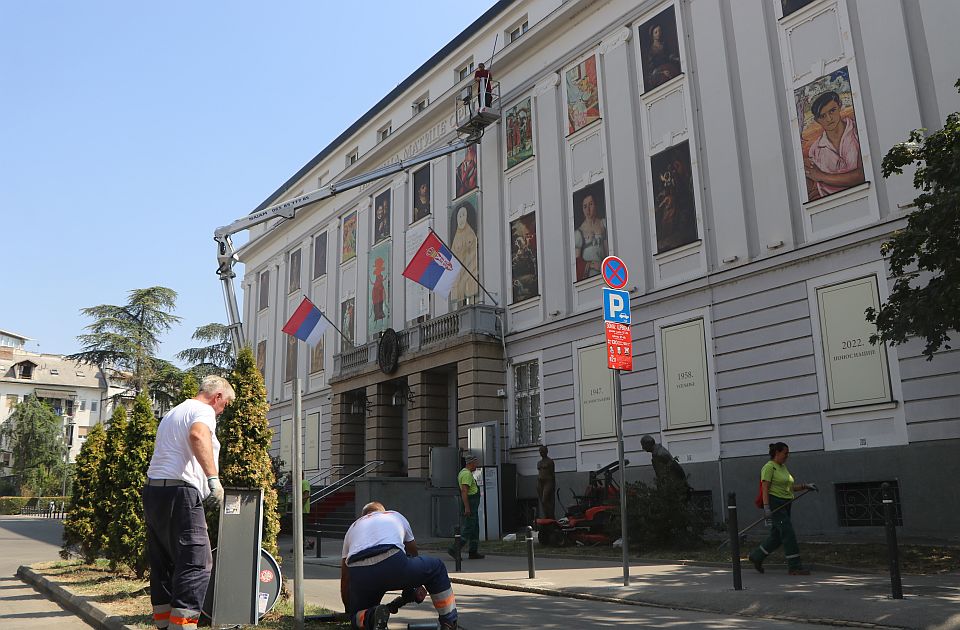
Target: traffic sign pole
column 618, row 404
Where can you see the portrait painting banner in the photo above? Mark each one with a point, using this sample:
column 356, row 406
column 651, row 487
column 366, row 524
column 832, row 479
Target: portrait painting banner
column 590, row 230
column 829, row 141
column 857, row 372
column 519, row 131
column 583, row 94
column 464, row 242
column 417, row 296
column 675, row 212
column 349, row 249
column 467, row 172
column 659, row 49
column 348, row 320
column 378, row 313
column 421, row 193
column 381, row 216
column 523, row 257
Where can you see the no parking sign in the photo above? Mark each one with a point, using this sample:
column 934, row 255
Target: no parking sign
column 616, row 314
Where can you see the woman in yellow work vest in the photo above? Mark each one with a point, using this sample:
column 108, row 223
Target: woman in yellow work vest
column 777, row 488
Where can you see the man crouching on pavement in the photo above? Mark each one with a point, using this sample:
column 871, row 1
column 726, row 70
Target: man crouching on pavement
column 380, row 555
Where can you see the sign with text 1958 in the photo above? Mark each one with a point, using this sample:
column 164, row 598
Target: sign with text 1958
column 619, row 346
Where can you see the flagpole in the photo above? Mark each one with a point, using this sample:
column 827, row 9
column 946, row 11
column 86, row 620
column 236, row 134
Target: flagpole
column 330, row 321
column 467, row 269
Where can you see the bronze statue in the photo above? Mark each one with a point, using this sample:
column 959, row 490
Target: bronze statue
column 665, row 465
column 546, row 484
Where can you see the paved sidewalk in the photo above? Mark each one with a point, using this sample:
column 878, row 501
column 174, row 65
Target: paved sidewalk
column 829, row 597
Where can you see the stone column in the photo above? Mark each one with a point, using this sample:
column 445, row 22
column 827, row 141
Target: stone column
column 383, row 430
column 478, row 380
column 346, row 436
column 427, row 419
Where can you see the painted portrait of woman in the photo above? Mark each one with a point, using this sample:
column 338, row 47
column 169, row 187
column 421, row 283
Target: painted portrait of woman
column 378, row 314
column 583, row 94
column 381, row 216
column 421, row 193
column 590, row 230
column 465, row 245
column 659, row 49
column 349, row 249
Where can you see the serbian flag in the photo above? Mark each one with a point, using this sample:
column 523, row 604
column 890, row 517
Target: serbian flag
column 307, row 323
column 434, row 266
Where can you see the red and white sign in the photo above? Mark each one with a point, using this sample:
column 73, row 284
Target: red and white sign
column 266, row 576
column 614, row 272
column 619, row 346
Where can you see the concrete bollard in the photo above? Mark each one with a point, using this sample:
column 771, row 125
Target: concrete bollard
column 457, row 546
column 531, row 569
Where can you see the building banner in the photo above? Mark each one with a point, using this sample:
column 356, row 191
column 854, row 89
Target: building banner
column 856, row 371
column 596, row 393
column 685, row 375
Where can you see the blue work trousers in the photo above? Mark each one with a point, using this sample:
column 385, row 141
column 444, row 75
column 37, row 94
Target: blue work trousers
column 368, row 585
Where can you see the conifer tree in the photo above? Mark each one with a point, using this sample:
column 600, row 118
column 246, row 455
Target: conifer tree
column 80, row 529
column 245, row 438
column 106, row 506
column 127, row 533
column 188, row 388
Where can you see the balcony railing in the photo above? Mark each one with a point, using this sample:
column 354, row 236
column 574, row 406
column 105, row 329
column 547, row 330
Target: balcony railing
column 476, row 319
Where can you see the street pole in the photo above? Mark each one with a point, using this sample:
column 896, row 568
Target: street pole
column 618, row 406
column 297, row 483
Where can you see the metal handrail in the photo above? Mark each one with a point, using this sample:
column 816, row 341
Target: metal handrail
column 338, row 485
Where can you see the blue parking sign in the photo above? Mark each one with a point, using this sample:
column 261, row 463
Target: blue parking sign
column 616, row 306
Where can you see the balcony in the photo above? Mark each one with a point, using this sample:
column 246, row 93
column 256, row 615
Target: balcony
column 476, row 319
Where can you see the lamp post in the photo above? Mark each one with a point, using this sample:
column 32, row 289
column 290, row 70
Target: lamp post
column 66, row 456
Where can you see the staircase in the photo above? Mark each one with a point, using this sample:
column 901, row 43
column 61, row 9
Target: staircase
column 333, row 507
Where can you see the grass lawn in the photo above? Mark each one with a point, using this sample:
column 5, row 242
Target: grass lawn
column 123, row 595
column 914, row 559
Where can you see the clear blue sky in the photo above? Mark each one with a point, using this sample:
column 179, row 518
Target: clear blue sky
column 129, row 131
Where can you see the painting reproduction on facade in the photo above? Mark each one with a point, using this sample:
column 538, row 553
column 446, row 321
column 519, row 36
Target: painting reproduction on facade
column 378, row 314
column 829, row 142
column 675, row 210
column 790, row 6
column 590, row 229
column 523, row 257
column 421, row 193
column 519, row 129
column 659, row 49
column 349, row 251
column 466, row 161
column 316, row 357
column 348, row 319
column 465, row 245
column 583, row 94
column 381, row 216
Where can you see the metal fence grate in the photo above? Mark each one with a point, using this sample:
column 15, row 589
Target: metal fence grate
column 861, row 504
column 702, row 503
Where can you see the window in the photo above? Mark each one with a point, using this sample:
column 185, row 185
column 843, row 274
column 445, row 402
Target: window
column 93, row 405
column 294, row 278
column 12, row 400
column 517, row 31
column 420, row 104
column 264, row 298
column 83, row 405
column 383, row 132
column 465, row 71
column 316, row 358
column 68, row 407
column 26, row 369
column 319, row 255
column 55, row 371
column 861, row 504
column 79, row 373
column 82, row 432
column 290, row 366
column 526, row 387
column 353, row 156
column 323, row 178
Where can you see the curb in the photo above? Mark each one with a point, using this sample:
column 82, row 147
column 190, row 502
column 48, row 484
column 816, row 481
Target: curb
column 536, row 590
column 77, row 604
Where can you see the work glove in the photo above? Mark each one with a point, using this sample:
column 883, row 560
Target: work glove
column 811, row 486
column 767, row 516
column 215, row 500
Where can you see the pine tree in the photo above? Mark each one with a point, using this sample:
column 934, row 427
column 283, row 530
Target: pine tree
column 35, row 434
column 127, row 533
column 105, row 496
column 245, row 438
column 188, row 388
column 80, row 525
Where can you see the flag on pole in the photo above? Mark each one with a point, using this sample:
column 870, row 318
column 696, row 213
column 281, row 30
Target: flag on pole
column 434, row 266
column 307, row 323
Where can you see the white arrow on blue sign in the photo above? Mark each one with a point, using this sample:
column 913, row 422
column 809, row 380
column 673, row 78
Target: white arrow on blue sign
column 616, row 306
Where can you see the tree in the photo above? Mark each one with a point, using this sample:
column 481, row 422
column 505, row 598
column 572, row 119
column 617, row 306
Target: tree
column 925, row 300
column 245, row 440
column 214, row 358
column 110, row 476
column 80, row 526
column 126, row 337
column 188, row 388
column 35, row 435
column 126, row 532
column 165, row 384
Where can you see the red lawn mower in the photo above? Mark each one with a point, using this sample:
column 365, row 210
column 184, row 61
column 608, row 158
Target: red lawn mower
column 585, row 522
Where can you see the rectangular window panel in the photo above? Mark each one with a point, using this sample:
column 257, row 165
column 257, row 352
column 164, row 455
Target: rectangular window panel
column 290, row 367
column 262, row 357
column 94, row 404
column 685, row 379
column 316, row 358
column 527, row 402
column 320, row 255
column 264, row 297
column 294, row 279
column 595, row 383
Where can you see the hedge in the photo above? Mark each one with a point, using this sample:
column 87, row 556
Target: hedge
column 13, row 505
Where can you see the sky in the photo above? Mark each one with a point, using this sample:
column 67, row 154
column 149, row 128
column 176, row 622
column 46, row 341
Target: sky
column 129, row 131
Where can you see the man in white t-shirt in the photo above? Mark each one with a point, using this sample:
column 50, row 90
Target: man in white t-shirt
column 380, row 555
column 182, row 474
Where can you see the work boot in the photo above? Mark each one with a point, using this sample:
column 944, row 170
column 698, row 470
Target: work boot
column 476, row 555
column 381, row 615
column 757, row 564
column 451, row 625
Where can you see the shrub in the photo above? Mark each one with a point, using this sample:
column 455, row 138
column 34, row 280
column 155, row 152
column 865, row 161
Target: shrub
column 12, row 505
column 660, row 515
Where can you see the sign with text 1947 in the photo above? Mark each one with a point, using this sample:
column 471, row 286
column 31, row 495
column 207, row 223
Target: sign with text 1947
column 619, row 346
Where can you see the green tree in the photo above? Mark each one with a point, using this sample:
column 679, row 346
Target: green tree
column 925, row 300
column 126, row 337
column 165, row 384
column 188, row 388
column 80, row 527
column 35, row 437
column 126, row 532
column 216, row 357
column 111, row 475
column 245, row 438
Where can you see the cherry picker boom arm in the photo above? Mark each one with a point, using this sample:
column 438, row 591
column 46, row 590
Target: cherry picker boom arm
column 227, row 257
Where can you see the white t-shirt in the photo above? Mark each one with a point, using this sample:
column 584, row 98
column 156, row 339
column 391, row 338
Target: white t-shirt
column 172, row 456
column 376, row 528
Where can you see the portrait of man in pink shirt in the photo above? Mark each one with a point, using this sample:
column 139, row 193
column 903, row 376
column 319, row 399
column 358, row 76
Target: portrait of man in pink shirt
column 832, row 160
